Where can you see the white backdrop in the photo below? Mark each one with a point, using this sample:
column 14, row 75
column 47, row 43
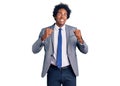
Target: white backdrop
column 21, row 22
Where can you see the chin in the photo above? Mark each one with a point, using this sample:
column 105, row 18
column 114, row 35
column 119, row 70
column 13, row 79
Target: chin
column 62, row 23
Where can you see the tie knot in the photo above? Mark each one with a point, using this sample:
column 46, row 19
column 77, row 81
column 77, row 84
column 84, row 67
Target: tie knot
column 60, row 29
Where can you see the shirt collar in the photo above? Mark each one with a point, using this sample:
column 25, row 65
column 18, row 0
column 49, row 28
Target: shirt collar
column 57, row 28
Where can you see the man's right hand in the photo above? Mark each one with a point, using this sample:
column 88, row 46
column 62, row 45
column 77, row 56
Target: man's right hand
column 47, row 33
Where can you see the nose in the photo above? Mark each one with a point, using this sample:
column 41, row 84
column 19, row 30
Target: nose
column 63, row 15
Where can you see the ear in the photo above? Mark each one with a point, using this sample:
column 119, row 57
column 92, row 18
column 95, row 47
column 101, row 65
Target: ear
column 55, row 18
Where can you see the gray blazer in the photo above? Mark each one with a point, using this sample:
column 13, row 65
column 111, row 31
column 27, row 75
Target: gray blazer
column 72, row 43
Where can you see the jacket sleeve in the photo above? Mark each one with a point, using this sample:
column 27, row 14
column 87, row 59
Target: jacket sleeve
column 37, row 46
column 82, row 47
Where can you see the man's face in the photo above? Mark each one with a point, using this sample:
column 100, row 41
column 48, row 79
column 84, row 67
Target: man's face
column 61, row 17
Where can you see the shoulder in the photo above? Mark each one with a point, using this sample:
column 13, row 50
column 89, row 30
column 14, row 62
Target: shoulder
column 51, row 26
column 71, row 27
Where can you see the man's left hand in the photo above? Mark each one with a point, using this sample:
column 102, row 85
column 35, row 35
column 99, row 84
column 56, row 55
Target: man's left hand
column 78, row 35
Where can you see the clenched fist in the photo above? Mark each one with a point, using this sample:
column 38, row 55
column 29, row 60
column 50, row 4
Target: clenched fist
column 47, row 33
column 78, row 35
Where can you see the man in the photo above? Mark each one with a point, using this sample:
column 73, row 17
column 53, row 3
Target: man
column 60, row 42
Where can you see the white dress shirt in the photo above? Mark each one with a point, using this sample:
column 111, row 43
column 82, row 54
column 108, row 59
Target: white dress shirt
column 65, row 61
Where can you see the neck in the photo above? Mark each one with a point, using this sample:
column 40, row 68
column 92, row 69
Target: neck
column 59, row 25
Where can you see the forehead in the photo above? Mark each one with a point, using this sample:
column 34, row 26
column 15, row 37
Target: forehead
column 62, row 10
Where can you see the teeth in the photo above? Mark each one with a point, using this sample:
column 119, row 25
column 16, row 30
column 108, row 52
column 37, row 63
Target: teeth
column 61, row 20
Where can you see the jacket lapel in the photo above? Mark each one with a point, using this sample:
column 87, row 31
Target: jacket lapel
column 52, row 37
column 67, row 37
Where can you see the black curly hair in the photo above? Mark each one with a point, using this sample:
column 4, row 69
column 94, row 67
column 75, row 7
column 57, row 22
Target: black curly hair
column 60, row 6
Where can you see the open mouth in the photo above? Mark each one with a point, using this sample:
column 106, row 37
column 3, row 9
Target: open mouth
column 62, row 20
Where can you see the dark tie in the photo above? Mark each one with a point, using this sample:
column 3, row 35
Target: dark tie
column 59, row 50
